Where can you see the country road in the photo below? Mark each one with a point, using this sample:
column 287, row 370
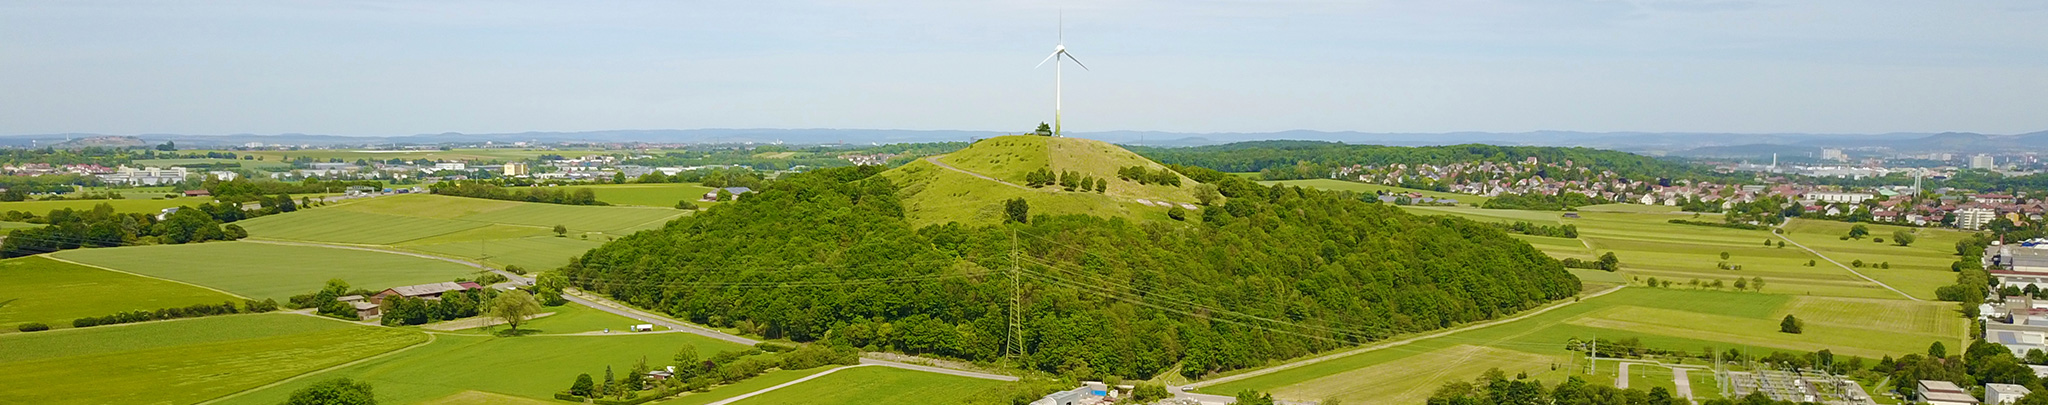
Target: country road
column 1333, row 356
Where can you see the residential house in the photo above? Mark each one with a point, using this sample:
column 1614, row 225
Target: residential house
column 734, row 191
column 147, row 176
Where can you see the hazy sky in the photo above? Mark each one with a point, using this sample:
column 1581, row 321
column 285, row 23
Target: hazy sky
column 407, row 67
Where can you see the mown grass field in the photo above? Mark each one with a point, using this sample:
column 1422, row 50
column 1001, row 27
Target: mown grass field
column 37, row 289
column 497, row 233
column 150, row 206
column 663, row 195
column 1369, row 188
column 261, row 271
column 182, row 361
column 1918, row 268
column 533, row 367
column 876, row 385
column 1677, row 319
column 575, row 318
column 1649, row 246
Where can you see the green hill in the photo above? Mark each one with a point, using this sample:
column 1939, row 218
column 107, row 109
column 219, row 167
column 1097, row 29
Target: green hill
column 971, row 185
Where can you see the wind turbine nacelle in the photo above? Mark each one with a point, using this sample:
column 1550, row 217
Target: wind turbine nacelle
column 1059, row 48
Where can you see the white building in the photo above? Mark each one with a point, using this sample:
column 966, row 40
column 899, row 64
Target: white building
column 456, row 166
column 1844, row 198
column 147, row 176
column 1995, row 393
column 1935, row 392
column 1983, row 161
column 1974, row 218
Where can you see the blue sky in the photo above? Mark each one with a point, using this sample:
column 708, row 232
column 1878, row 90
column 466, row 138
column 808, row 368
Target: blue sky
column 406, row 67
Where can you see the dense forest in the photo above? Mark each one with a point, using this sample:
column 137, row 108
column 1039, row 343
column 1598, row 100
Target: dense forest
column 1313, row 159
column 1273, row 273
column 102, row 227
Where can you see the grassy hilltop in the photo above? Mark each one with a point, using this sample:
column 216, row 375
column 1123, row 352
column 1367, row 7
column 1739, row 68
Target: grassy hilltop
column 934, row 194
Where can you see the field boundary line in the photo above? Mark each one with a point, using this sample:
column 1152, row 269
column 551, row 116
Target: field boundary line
column 1788, row 238
column 782, row 385
column 49, row 256
column 1402, row 342
column 430, row 340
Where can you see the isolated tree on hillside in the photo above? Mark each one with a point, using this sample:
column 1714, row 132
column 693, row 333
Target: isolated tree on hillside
column 514, row 307
column 1794, row 325
column 1017, row 210
column 561, row 231
column 1858, row 231
column 1757, row 283
column 339, row 391
column 1177, row 213
column 1741, row 284
column 1207, row 194
column 1903, row 238
column 1609, row 263
column 1044, row 129
column 1724, row 255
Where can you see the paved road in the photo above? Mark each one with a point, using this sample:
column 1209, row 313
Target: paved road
column 1684, row 384
column 1621, row 375
column 606, row 305
column 1839, row 264
column 1328, row 357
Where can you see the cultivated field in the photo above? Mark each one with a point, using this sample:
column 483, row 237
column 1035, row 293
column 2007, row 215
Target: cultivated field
column 650, row 195
column 533, row 367
column 876, row 385
column 499, row 233
column 261, row 271
column 575, row 318
column 1675, row 319
column 143, row 205
column 1649, row 246
column 1918, row 269
column 181, row 361
column 37, row 289
column 1369, row 188
column 934, row 194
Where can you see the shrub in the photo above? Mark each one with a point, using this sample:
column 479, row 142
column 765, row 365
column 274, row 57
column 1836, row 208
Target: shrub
column 32, row 327
column 773, row 347
column 1792, row 325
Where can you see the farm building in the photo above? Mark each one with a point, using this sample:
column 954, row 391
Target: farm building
column 364, row 309
column 196, row 193
column 1935, row 392
column 422, row 291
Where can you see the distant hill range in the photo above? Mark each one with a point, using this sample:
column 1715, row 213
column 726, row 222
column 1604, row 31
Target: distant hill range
column 1655, row 143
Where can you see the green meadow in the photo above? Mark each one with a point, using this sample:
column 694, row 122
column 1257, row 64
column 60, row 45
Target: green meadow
column 934, row 194
column 150, row 206
column 1369, row 188
column 181, row 361
column 1678, row 319
column 496, row 233
column 877, row 385
column 1649, row 246
column 532, row 367
column 1917, row 269
column 37, row 289
column 261, row 270
column 650, row 195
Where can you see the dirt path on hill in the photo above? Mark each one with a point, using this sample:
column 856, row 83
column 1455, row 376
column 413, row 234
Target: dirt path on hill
column 1781, row 227
column 935, row 160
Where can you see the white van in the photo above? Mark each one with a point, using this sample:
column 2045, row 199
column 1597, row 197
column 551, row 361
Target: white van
column 643, row 328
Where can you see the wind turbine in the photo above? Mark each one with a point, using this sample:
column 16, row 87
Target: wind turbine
column 1059, row 51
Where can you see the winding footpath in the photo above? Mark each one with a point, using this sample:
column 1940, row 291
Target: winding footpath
column 1438, row 334
column 935, row 161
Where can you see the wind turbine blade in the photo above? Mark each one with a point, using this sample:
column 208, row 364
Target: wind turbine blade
column 1063, row 26
column 1076, row 61
column 1048, row 58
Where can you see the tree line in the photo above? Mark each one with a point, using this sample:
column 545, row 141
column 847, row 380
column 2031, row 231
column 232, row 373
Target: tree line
column 486, row 190
column 193, row 311
column 1267, row 273
column 101, row 227
column 1147, row 176
column 1284, row 160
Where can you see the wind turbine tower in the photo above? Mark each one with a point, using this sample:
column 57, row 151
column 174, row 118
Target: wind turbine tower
column 1059, row 51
